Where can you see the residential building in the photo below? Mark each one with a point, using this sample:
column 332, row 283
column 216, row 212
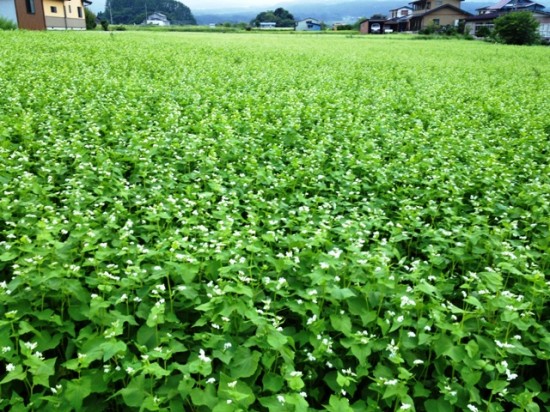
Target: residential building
column 436, row 12
column 45, row 14
column 487, row 15
column 268, row 25
column 157, row 19
column 64, row 14
column 308, row 24
column 511, row 5
column 401, row 12
column 26, row 14
column 419, row 15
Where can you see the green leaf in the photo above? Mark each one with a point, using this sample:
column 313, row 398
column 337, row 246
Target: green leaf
column 272, row 382
column 224, row 407
column 420, row 391
column 18, row 374
column 439, row 405
column 472, row 300
column 341, row 323
column 245, row 363
column 276, row 339
column 7, row 256
column 442, row 344
column 111, row 349
column 472, row 348
column 185, row 272
column 341, row 294
column 236, row 390
column 135, row 392
column 41, row 371
column 76, row 391
column 497, row 386
column 337, row 404
column 361, row 352
column 155, row 370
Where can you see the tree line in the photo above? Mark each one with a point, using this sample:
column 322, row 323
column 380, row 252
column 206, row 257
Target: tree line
column 135, row 12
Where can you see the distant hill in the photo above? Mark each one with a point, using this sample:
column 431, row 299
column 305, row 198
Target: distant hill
column 133, row 12
column 329, row 12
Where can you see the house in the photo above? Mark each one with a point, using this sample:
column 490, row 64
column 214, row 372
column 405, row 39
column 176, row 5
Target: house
column 401, row 12
column 419, row 15
column 45, row 14
column 308, row 24
column 64, row 14
column 436, row 12
column 26, row 14
column 401, row 18
column 487, row 15
column 157, row 19
column 511, row 5
column 268, row 25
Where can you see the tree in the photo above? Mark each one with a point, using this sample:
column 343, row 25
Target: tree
column 517, row 28
column 90, row 19
column 281, row 17
column 133, row 12
column 285, row 19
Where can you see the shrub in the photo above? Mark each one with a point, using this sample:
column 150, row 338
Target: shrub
column 90, row 19
column 105, row 25
column 344, row 27
column 430, row 29
column 6, row 24
column 483, row 31
column 517, row 28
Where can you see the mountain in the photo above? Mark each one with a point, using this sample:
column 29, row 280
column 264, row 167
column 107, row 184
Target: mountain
column 134, row 12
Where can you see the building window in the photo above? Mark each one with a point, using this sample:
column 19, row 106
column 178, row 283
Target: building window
column 79, row 9
column 53, row 9
column 30, row 6
column 70, row 9
column 436, row 22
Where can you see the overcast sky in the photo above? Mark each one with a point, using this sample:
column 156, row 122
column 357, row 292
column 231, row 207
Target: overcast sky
column 197, row 5
column 211, row 4
column 99, row 5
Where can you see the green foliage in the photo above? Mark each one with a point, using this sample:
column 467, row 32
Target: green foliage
column 6, row 24
column 282, row 17
column 344, row 27
column 90, row 19
column 105, row 25
column 133, row 12
column 437, row 32
column 517, row 28
column 484, row 31
column 187, row 224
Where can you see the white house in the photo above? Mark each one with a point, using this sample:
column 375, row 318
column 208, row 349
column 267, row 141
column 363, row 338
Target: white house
column 268, row 25
column 157, row 19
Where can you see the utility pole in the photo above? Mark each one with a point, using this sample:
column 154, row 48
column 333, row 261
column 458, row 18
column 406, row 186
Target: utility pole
column 110, row 11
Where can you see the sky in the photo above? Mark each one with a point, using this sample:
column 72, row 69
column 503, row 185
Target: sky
column 199, row 5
